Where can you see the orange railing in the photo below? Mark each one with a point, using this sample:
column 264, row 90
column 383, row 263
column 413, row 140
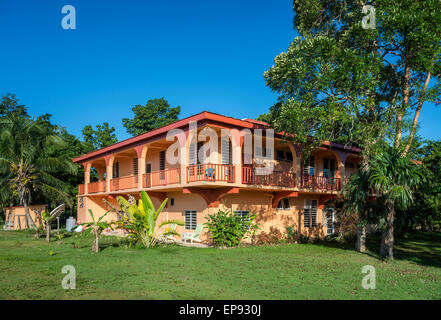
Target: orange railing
column 95, row 187
column 161, row 178
column 81, row 189
column 210, row 172
column 275, row 178
column 129, row 182
column 320, row 183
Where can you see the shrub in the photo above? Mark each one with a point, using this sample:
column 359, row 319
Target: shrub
column 274, row 236
column 228, row 229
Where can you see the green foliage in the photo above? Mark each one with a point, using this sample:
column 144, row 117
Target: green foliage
column 140, row 220
column 228, row 229
column 156, row 113
column 273, row 236
column 30, row 162
column 98, row 138
column 9, row 104
column 96, row 227
column 340, row 82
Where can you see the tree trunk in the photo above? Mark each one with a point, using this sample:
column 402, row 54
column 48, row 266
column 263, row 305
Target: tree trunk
column 360, row 245
column 48, row 232
column 95, row 247
column 387, row 237
column 28, row 218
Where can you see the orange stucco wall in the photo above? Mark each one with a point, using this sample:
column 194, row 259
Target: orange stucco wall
column 256, row 202
column 21, row 211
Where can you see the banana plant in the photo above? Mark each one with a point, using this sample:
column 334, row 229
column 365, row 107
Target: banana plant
column 140, row 220
column 47, row 219
column 96, row 227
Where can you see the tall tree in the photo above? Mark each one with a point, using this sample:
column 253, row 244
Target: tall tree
column 339, row 78
column 28, row 161
column 156, row 113
column 396, row 177
column 98, row 138
column 9, row 103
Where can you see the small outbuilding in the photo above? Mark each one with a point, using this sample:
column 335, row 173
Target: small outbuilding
column 15, row 217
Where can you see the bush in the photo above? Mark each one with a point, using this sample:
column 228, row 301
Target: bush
column 228, row 229
column 274, row 236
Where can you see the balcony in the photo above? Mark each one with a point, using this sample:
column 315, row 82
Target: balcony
column 275, row 179
column 124, row 183
column 95, row 187
column 81, row 189
column 320, row 183
column 161, row 178
column 211, row 173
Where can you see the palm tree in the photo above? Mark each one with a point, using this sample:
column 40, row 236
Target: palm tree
column 356, row 194
column 396, row 177
column 29, row 160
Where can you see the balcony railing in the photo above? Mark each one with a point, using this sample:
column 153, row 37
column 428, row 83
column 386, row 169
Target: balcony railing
column 123, row 183
column 161, row 178
column 95, row 187
column 81, row 189
column 210, row 172
column 275, row 178
column 320, row 183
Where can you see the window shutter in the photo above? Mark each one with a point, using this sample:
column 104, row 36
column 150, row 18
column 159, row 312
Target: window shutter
column 313, row 213
column 244, row 215
column 226, row 150
column 192, row 154
column 162, row 160
column 190, row 220
column 135, row 166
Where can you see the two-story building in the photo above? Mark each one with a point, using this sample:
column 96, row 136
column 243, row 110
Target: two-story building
column 292, row 193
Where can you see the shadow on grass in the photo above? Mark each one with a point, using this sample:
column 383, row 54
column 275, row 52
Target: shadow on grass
column 421, row 248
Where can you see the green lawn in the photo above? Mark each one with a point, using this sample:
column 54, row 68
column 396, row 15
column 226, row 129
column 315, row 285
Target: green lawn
column 302, row 271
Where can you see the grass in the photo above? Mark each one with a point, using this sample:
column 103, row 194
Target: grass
column 325, row 270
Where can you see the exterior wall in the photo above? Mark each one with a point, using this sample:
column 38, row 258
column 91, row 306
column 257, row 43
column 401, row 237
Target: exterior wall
column 258, row 203
column 21, row 211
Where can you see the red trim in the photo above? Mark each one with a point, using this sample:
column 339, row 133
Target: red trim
column 205, row 116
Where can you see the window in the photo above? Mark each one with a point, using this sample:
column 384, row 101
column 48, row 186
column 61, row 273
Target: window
column 330, row 221
column 190, row 220
column 328, row 167
column 288, row 156
column 135, row 166
column 226, row 150
column 162, row 160
column 309, row 166
column 310, row 213
column 115, row 173
column 283, row 204
column 245, row 215
column 172, row 202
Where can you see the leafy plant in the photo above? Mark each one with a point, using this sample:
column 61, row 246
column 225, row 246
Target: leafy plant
column 96, row 227
column 46, row 219
column 140, row 220
column 274, row 236
column 228, row 229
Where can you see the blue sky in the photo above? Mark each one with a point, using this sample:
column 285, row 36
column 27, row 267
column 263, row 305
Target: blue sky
column 201, row 55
